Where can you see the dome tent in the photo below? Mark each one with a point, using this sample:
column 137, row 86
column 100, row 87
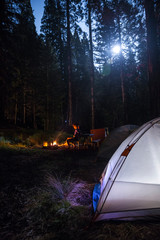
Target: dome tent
column 130, row 183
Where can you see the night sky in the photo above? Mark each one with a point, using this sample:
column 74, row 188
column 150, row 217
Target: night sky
column 37, row 6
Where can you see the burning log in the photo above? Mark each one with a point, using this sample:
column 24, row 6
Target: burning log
column 51, row 145
column 54, row 145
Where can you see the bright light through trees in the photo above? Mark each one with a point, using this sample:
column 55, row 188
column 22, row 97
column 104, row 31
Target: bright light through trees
column 116, row 49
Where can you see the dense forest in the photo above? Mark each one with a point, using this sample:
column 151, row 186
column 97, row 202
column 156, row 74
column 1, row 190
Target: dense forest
column 66, row 75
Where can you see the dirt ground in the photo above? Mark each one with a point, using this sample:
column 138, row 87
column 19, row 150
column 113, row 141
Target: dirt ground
column 23, row 177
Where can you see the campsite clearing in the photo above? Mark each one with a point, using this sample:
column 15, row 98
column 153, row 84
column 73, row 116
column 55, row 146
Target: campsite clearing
column 32, row 209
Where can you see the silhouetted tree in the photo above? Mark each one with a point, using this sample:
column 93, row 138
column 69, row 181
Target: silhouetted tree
column 153, row 57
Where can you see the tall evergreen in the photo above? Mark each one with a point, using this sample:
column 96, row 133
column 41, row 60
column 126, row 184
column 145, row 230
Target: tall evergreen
column 153, row 58
column 65, row 74
column 7, row 24
column 91, row 7
column 53, row 28
column 59, row 19
column 53, row 35
column 25, row 63
column 71, row 16
column 120, row 23
column 81, row 81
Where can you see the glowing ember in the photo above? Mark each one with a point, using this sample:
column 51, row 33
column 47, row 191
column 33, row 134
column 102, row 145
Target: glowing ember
column 45, row 144
column 65, row 144
column 54, row 144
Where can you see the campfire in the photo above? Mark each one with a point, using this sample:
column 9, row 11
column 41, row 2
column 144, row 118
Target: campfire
column 53, row 144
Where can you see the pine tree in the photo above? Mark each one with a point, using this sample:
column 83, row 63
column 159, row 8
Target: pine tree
column 59, row 18
column 91, row 7
column 119, row 22
column 25, row 40
column 7, row 24
column 153, row 58
column 81, row 82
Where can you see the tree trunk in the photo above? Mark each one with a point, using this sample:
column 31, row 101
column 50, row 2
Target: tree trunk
column 2, row 103
column 47, row 103
column 16, row 110
column 122, row 71
column 24, row 106
column 152, row 52
column 34, row 112
column 91, row 66
column 69, row 66
column 60, row 39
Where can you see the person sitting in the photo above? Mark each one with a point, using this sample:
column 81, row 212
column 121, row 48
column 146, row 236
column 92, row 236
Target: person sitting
column 75, row 137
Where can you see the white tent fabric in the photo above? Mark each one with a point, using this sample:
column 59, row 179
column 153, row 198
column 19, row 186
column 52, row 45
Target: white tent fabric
column 130, row 184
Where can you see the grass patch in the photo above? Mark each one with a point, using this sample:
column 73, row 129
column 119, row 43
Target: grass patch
column 41, row 206
column 30, row 138
column 50, row 218
column 60, row 187
column 4, row 142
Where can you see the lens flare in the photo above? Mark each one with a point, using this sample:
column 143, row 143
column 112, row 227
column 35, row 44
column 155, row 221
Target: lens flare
column 116, row 49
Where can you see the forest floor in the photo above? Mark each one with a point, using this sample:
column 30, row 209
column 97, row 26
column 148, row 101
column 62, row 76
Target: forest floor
column 30, row 208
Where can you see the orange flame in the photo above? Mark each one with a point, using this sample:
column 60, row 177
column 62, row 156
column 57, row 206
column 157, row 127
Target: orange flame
column 54, row 143
column 45, row 144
